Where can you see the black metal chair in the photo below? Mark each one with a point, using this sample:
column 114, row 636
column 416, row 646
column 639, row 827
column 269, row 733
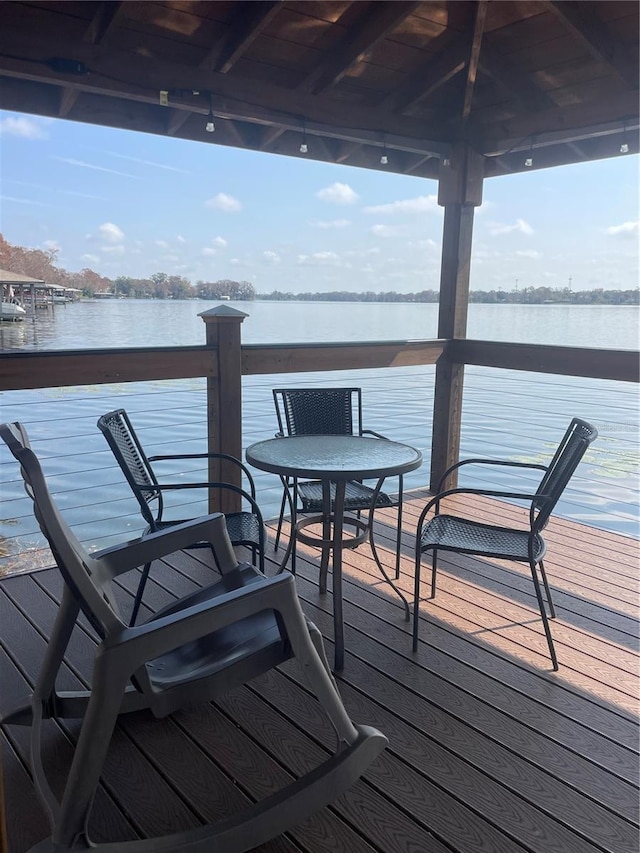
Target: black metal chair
column 244, row 528
column 329, row 411
column 190, row 651
column 452, row 533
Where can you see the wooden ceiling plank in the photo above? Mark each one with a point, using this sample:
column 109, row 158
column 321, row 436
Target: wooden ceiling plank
column 426, row 80
column 474, row 58
column 139, row 78
column 417, row 163
column 380, row 20
column 250, row 21
column 346, row 150
column 104, row 19
column 269, row 136
column 584, row 24
column 518, row 85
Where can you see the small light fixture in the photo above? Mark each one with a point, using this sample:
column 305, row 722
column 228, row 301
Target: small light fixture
column 624, row 148
column 528, row 161
column 210, row 125
column 304, row 148
column 624, row 145
column 384, row 159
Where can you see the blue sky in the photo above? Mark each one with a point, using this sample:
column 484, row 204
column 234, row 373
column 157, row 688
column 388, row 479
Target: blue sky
column 133, row 204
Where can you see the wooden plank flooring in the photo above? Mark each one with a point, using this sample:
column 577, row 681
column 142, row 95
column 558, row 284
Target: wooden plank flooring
column 489, row 749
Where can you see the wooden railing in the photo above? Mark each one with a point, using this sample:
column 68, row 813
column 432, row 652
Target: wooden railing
column 223, row 361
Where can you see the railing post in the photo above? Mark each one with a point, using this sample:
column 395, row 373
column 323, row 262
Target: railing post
column 224, row 403
column 459, row 191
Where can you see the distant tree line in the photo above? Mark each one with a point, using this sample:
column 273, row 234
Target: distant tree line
column 524, row 296
column 41, row 264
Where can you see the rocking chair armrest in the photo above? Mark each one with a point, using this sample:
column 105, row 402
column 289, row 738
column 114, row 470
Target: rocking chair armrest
column 137, row 552
column 502, row 462
column 141, row 643
column 489, row 493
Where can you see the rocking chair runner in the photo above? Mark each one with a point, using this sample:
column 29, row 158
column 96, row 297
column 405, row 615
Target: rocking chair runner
column 463, row 536
column 203, row 644
column 244, row 528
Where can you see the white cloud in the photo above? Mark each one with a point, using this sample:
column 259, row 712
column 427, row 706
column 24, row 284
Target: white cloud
column 52, row 244
column 220, row 242
column 627, row 229
column 330, row 223
column 320, row 259
column 209, row 252
column 23, row 127
column 496, row 228
column 420, row 204
column 180, row 239
column 528, row 253
column 162, row 244
column 91, row 258
column 271, row 257
column 338, row 194
column 224, row 202
column 114, row 250
column 111, row 233
column 385, row 230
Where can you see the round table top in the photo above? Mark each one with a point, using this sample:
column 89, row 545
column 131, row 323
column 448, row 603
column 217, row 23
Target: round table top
column 333, row 457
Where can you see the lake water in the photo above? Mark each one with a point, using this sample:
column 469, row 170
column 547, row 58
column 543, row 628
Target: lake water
column 510, row 414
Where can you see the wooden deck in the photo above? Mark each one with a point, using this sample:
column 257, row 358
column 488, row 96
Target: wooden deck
column 489, row 749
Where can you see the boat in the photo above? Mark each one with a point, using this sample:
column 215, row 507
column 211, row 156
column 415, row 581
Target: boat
column 10, row 310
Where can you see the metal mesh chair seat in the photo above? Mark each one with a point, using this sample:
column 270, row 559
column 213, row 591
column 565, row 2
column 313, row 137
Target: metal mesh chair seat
column 358, row 496
column 243, row 528
column 461, row 535
column 329, row 411
column 451, row 533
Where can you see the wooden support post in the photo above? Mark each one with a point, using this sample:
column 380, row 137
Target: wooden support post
column 460, row 190
column 224, row 403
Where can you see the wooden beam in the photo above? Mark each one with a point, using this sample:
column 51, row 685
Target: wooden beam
column 133, row 77
column 412, row 167
column 269, row 136
column 68, row 97
column 94, row 367
column 584, row 24
column 518, row 85
column 250, row 21
column 621, row 365
column 104, row 19
column 426, row 80
column 474, row 58
column 378, row 21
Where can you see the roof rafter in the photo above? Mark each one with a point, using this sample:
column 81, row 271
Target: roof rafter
column 429, row 77
column 585, row 25
column 252, row 19
column 474, row 58
column 380, row 20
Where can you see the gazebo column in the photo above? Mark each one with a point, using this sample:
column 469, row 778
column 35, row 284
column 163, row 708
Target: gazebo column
column 224, row 403
column 459, row 192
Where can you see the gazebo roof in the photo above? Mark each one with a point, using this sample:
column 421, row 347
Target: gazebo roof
column 356, row 82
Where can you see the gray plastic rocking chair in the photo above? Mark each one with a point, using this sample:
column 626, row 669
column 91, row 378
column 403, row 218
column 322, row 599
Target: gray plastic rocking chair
column 203, row 644
column 244, row 528
column 463, row 536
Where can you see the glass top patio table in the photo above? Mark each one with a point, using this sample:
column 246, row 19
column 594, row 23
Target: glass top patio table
column 335, row 459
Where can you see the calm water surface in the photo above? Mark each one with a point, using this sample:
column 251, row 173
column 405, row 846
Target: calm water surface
column 508, row 414
column 139, row 322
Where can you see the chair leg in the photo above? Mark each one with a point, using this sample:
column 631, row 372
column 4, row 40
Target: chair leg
column 543, row 614
column 281, row 516
column 138, row 599
column 399, row 533
column 416, row 597
column 434, row 568
column 552, row 610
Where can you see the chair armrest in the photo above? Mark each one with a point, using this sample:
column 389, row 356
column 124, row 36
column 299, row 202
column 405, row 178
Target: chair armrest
column 144, row 642
column 226, row 456
column 137, row 552
column 375, row 434
column 250, row 498
column 503, row 462
column 489, row 493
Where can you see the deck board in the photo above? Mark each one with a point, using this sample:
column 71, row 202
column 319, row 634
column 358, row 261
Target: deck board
column 489, row 749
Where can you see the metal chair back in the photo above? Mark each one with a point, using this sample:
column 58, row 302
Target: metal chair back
column 318, row 411
column 123, row 441
column 568, row 455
